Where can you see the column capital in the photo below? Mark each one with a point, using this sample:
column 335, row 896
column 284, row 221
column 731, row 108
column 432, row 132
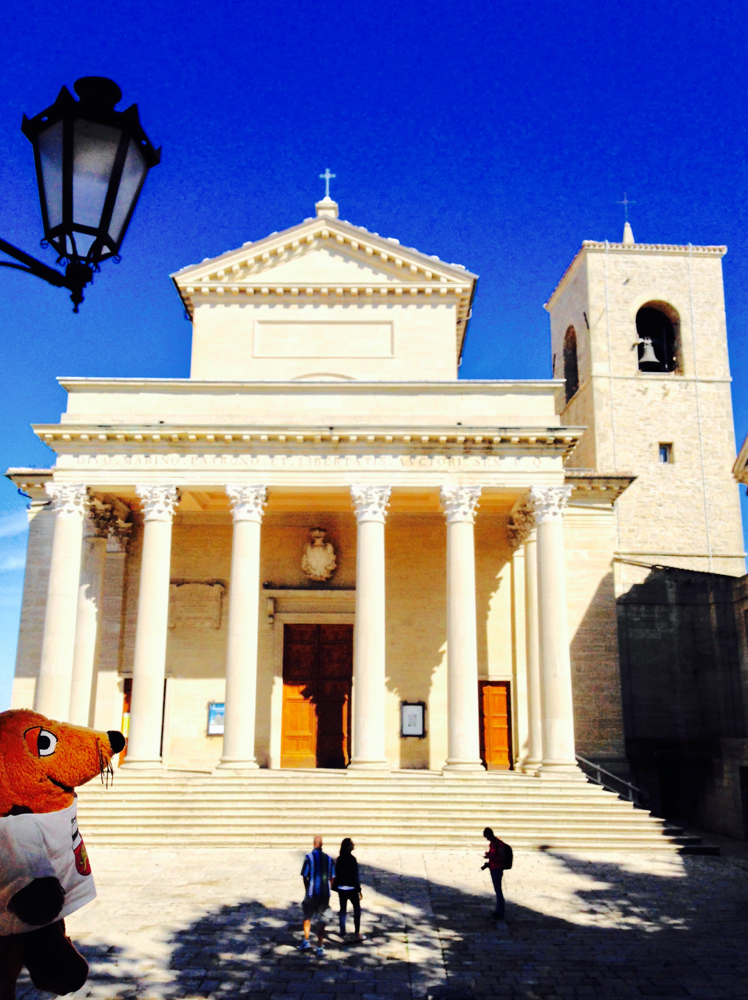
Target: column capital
column 247, row 502
column 371, row 502
column 548, row 502
column 521, row 525
column 158, row 502
column 460, row 503
column 68, row 498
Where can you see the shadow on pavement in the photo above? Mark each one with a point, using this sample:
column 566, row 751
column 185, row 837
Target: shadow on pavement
column 629, row 934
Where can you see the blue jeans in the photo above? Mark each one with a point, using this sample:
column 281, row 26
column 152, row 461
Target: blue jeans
column 496, row 876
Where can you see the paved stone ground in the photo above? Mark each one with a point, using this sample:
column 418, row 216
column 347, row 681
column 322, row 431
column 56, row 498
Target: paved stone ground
column 226, row 923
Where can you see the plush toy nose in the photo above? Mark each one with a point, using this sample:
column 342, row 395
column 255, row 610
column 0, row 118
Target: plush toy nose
column 116, row 740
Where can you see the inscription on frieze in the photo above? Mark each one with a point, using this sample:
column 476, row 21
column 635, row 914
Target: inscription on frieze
column 260, row 462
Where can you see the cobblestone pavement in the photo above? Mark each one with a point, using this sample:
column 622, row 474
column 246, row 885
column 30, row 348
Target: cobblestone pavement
column 169, row 924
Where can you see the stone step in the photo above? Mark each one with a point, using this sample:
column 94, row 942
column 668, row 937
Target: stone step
column 437, row 842
column 282, row 809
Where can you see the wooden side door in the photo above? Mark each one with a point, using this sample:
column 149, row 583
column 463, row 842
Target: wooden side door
column 299, row 725
column 334, row 675
column 496, row 731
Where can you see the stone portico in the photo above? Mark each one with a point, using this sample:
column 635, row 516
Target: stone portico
column 165, row 567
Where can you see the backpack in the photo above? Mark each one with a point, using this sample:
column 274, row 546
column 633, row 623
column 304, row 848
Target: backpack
column 508, row 857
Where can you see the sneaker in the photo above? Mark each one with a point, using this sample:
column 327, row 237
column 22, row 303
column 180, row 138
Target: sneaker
column 305, row 946
column 320, row 953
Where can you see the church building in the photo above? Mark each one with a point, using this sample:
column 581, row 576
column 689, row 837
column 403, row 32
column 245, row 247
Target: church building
column 325, row 550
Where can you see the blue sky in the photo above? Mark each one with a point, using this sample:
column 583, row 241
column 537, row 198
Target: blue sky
column 496, row 135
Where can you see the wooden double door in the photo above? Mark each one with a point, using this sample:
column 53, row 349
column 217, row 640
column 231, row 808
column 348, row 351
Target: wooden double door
column 317, row 677
column 495, row 730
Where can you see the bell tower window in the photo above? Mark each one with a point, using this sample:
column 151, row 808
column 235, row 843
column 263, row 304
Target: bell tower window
column 571, row 365
column 657, row 328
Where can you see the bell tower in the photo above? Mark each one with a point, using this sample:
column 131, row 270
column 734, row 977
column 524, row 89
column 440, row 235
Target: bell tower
column 638, row 333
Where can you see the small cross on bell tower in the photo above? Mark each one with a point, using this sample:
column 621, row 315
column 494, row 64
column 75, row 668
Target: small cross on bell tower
column 327, row 207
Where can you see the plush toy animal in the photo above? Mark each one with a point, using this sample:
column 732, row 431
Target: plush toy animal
column 44, row 870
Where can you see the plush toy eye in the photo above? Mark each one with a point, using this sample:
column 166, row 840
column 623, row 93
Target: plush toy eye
column 40, row 741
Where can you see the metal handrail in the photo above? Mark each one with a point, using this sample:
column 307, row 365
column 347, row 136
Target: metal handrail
column 633, row 793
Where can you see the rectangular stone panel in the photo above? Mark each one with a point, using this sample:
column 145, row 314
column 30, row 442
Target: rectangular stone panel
column 196, row 605
column 322, row 340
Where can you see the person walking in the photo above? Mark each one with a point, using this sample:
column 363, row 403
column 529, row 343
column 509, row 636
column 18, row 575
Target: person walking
column 495, row 865
column 348, row 886
column 318, row 872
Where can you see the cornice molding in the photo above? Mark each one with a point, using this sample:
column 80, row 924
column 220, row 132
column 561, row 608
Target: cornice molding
column 602, row 246
column 439, row 440
column 356, row 387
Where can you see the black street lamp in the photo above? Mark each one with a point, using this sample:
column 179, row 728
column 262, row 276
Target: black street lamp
column 91, row 163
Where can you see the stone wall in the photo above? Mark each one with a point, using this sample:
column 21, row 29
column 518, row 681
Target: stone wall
column 662, row 517
column 683, row 691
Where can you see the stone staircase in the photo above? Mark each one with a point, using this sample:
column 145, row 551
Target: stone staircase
column 416, row 809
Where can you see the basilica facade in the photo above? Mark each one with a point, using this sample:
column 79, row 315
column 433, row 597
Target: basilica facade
column 324, row 550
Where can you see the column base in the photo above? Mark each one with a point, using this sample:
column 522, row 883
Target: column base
column 231, row 764
column 369, row 765
column 455, row 767
column 561, row 770
column 531, row 767
column 141, row 765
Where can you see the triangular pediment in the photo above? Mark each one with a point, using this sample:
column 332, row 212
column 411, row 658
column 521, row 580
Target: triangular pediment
column 324, row 256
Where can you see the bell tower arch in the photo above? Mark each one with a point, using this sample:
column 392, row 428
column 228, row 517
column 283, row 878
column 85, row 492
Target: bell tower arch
column 654, row 393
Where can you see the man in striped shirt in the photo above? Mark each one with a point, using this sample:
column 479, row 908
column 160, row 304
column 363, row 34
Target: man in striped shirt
column 318, row 872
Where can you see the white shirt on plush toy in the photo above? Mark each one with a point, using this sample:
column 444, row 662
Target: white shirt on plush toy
column 39, row 845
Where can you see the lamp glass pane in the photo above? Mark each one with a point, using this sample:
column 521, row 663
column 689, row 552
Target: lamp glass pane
column 133, row 176
column 83, row 243
column 94, row 150
column 50, row 156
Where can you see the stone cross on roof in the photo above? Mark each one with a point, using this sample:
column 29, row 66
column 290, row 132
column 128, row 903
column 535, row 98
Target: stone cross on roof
column 327, row 177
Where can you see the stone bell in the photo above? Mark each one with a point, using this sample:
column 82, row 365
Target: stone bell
column 648, row 355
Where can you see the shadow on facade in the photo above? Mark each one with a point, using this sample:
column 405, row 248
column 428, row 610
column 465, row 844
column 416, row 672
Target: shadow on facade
column 684, row 698
column 632, row 933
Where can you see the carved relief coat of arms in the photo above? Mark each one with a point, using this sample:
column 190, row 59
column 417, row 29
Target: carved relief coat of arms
column 318, row 561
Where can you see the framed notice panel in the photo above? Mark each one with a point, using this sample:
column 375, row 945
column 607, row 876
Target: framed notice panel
column 215, row 718
column 413, row 718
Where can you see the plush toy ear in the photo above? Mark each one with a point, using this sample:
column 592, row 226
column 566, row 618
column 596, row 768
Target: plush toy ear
column 39, row 902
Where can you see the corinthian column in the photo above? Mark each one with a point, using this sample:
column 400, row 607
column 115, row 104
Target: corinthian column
column 557, row 702
column 369, row 634
column 88, row 624
column 532, row 645
column 149, row 664
column 56, row 668
column 241, row 656
column 460, row 503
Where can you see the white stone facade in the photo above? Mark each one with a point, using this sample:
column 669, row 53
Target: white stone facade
column 473, row 524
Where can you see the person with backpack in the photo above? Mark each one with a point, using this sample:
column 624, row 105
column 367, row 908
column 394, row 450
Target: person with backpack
column 348, row 886
column 499, row 860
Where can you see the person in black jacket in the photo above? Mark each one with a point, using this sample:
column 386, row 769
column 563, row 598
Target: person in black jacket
column 348, row 886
